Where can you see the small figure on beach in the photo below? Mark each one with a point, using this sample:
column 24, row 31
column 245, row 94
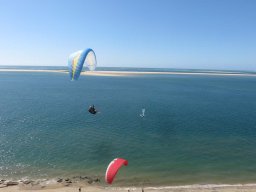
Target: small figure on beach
column 142, row 190
column 92, row 110
column 79, row 189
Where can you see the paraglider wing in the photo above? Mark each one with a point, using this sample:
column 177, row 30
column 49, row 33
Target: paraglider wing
column 76, row 62
column 91, row 60
column 113, row 168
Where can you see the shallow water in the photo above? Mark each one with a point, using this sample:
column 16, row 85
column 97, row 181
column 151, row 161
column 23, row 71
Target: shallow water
column 197, row 129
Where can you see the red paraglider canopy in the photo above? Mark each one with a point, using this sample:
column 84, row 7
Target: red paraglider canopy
column 113, row 168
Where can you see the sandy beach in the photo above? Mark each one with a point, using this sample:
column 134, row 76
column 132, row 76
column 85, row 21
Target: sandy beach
column 188, row 188
column 133, row 73
column 140, row 73
column 88, row 184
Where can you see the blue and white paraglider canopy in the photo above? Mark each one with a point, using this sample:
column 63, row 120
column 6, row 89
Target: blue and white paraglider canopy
column 77, row 60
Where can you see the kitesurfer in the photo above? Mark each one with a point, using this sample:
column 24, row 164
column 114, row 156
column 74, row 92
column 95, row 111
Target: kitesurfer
column 92, row 110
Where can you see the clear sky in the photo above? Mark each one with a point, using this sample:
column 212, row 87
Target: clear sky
column 207, row 34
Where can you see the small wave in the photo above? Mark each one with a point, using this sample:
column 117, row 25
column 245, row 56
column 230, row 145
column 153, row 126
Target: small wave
column 194, row 186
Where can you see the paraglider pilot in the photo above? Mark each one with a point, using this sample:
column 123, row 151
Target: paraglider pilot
column 92, row 110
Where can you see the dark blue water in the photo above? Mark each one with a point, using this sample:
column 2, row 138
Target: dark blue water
column 197, row 129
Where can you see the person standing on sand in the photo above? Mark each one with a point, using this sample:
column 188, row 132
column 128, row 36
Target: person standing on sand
column 79, row 189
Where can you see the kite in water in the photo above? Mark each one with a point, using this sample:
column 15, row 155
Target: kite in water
column 113, row 168
column 77, row 60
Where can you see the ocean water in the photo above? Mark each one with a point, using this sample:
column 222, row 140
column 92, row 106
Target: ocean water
column 197, row 129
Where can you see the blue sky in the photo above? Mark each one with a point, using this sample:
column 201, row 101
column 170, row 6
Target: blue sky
column 207, row 34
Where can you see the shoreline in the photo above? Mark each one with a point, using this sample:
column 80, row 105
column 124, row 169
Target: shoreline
column 134, row 73
column 97, row 188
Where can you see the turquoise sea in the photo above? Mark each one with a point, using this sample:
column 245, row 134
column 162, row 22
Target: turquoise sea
column 198, row 129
